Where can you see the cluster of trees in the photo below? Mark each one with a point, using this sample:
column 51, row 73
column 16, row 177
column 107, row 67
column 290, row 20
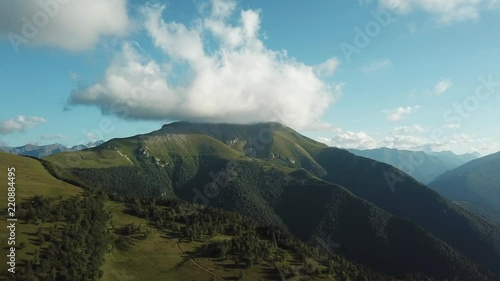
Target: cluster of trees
column 147, row 181
column 127, row 234
column 74, row 245
column 246, row 249
column 248, row 242
column 75, row 234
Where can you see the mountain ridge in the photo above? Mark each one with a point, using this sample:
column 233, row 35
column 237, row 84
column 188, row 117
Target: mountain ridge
column 277, row 176
column 40, row 151
column 476, row 184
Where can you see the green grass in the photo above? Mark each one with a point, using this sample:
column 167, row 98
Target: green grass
column 89, row 159
column 159, row 257
column 31, row 179
column 156, row 258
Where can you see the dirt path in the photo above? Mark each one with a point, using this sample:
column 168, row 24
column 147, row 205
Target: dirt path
column 199, row 265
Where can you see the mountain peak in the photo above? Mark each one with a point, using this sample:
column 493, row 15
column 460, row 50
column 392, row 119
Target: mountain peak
column 218, row 130
column 183, row 124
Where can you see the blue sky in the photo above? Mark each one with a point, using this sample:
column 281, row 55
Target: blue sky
column 408, row 74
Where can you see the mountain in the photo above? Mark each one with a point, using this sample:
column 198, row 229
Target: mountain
column 475, row 184
column 70, row 233
column 85, row 146
column 380, row 216
column 455, row 159
column 46, row 150
column 37, row 151
column 424, row 166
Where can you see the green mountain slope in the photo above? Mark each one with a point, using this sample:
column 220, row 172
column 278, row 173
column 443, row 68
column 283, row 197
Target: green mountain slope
column 401, row 195
column 476, row 185
column 67, row 233
column 274, row 175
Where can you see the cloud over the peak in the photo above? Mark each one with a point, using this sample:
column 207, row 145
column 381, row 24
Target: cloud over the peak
column 19, row 124
column 69, row 24
column 445, row 11
column 214, row 70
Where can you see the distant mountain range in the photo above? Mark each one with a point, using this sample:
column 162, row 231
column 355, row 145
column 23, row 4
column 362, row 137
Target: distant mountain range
column 424, row 166
column 376, row 214
column 475, row 184
column 46, row 150
column 450, row 157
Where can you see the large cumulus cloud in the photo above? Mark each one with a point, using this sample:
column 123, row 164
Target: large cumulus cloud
column 239, row 80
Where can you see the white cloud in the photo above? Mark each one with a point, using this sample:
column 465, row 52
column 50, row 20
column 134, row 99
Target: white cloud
column 328, row 67
column 69, row 24
column 409, row 129
column 223, row 9
column 19, row 124
column 52, row 137
column 91, row 136
column 414, row 138
column 443, row 86
column 451, row 126
column 445, row 11
column 376, row 66
column 405, row 141
column 241, row 80
column 348, row 139
column 485, row 147
column 399, row 113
